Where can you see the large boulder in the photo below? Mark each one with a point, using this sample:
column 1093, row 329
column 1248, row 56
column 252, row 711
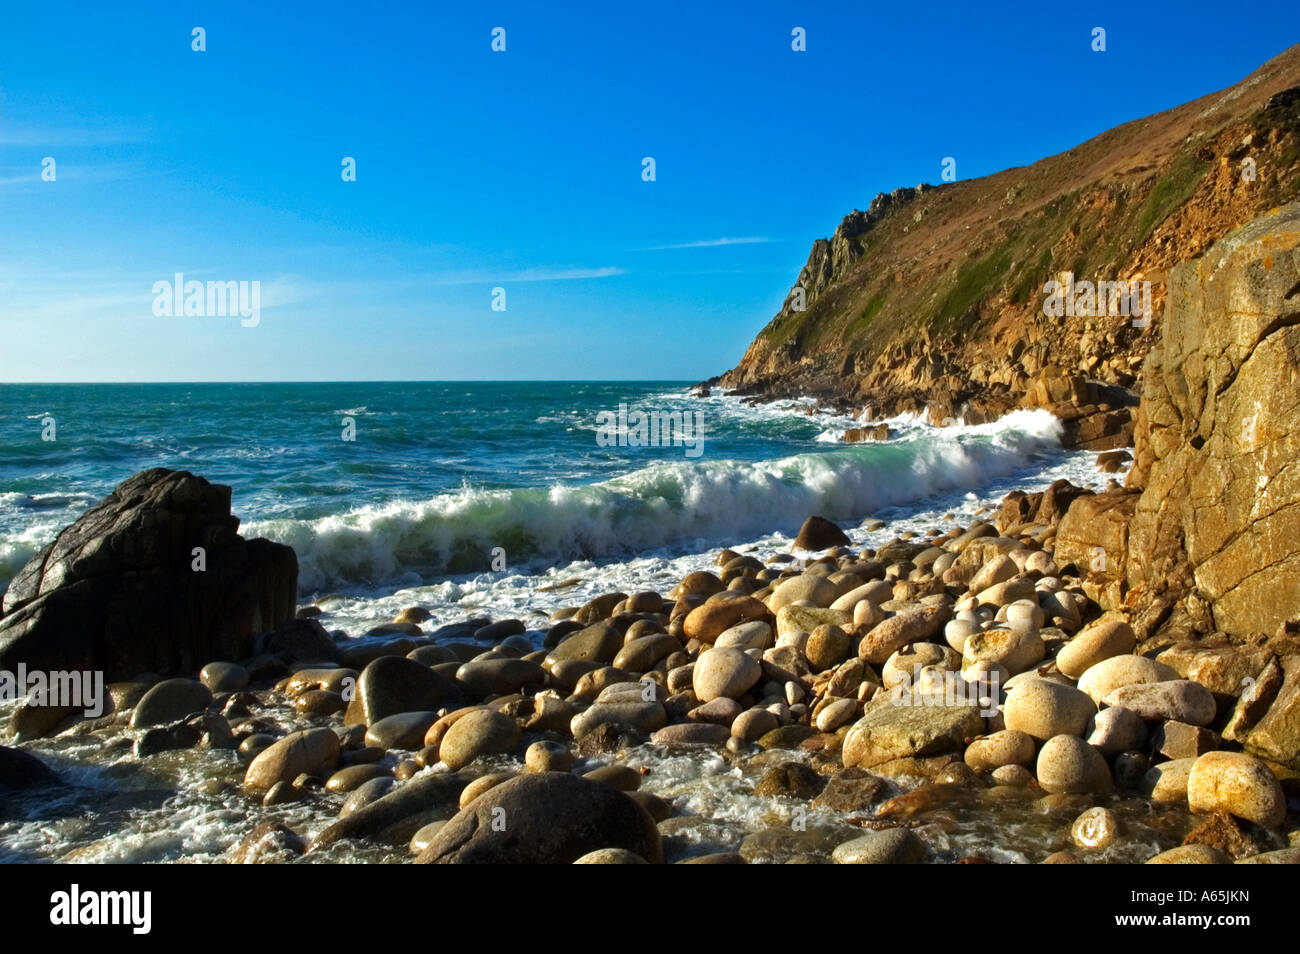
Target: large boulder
column 119, row 590
column 1218, row 432
column 548, row 818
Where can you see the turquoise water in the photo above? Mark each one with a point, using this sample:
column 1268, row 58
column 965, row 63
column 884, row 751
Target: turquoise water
column 440, row 474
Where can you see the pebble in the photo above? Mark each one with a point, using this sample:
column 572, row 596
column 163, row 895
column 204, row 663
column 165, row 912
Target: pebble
column 1103, row 678
column 1067, row 764
column 889, row 846
column 611, row 856
column 1178, row 699
column 1167, row 782
column 1095, row 828
column 1008, row 747
column 348, row 779
column 406, row 730
column 1238, row 784
column 1191, row 855
column 1100, row 641
column 724, row 672
column 170, row 701
column 223, row 677
column 311, row 751
column 1045, row 709
column 480, row 732
column 1116, row 730
column 548, row 756
column 481, row 784
column 752, row 724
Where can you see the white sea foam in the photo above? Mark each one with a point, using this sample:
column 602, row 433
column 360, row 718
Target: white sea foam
column 685, row 503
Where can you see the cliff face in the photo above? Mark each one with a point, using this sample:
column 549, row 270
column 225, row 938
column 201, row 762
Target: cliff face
column 1217, row 524
column 933, row 297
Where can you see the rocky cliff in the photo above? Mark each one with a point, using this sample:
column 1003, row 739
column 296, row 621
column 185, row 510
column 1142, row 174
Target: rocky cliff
column 1218, row 439
column 933, row 297
column 1206, row 536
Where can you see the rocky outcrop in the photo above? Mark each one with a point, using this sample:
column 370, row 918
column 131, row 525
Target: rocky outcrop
column 933, row 299
column 153, row 578
column 1217, row 525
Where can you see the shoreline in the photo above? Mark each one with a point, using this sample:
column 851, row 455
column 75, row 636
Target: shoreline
column 789, row 744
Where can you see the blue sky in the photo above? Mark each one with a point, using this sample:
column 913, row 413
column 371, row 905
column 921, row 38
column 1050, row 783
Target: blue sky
column 520, row 169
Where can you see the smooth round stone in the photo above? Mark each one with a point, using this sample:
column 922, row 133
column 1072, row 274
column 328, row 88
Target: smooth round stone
column 827, row 647
column 642, row 653
column 1024, row 614
column 413, row 614
column 350, row 778
column 1012, row 775
column 547, row 756
column 1116, row 730
column 867, row 614
column 639, row 716
column 1103, row 678
column 420, row 840
column 721, row 711
column 752, row 635
column 611, row 856
column 1067, row 764
column 255, row 744
column 309, row 752
column 170, row 701
column 1191, row 855
column 692, row 733
column 1238, row 784
column 903, row 665
column 1095, row 828
column 432, row 655
column 224, row 677
column 1167, row 781
column 1017, row 650
column 479, row 732
column 1179, row 699
column 280, row 793
column 367, row 792
column 957, row 632
column 1044, row 709
column 752, row 724
column 838, row 713
column 620, row 776
column 1098, row 642
column 1061, row 858
column 890, row 846
column 481, row 784
column 1008, row 747
column 1282, row 856
column 406, row 730
column 656, row 807
column 811, row 590
column 319, row 702
column 725, row 672
column 499, row 677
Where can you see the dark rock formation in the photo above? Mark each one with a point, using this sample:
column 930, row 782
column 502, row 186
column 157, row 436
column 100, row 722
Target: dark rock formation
column 119, row 590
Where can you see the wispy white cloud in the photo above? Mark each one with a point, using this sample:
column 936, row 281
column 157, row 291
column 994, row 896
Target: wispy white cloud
column 526, row 275
column 707, row 243
column 67, row 173
column 52, row 136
